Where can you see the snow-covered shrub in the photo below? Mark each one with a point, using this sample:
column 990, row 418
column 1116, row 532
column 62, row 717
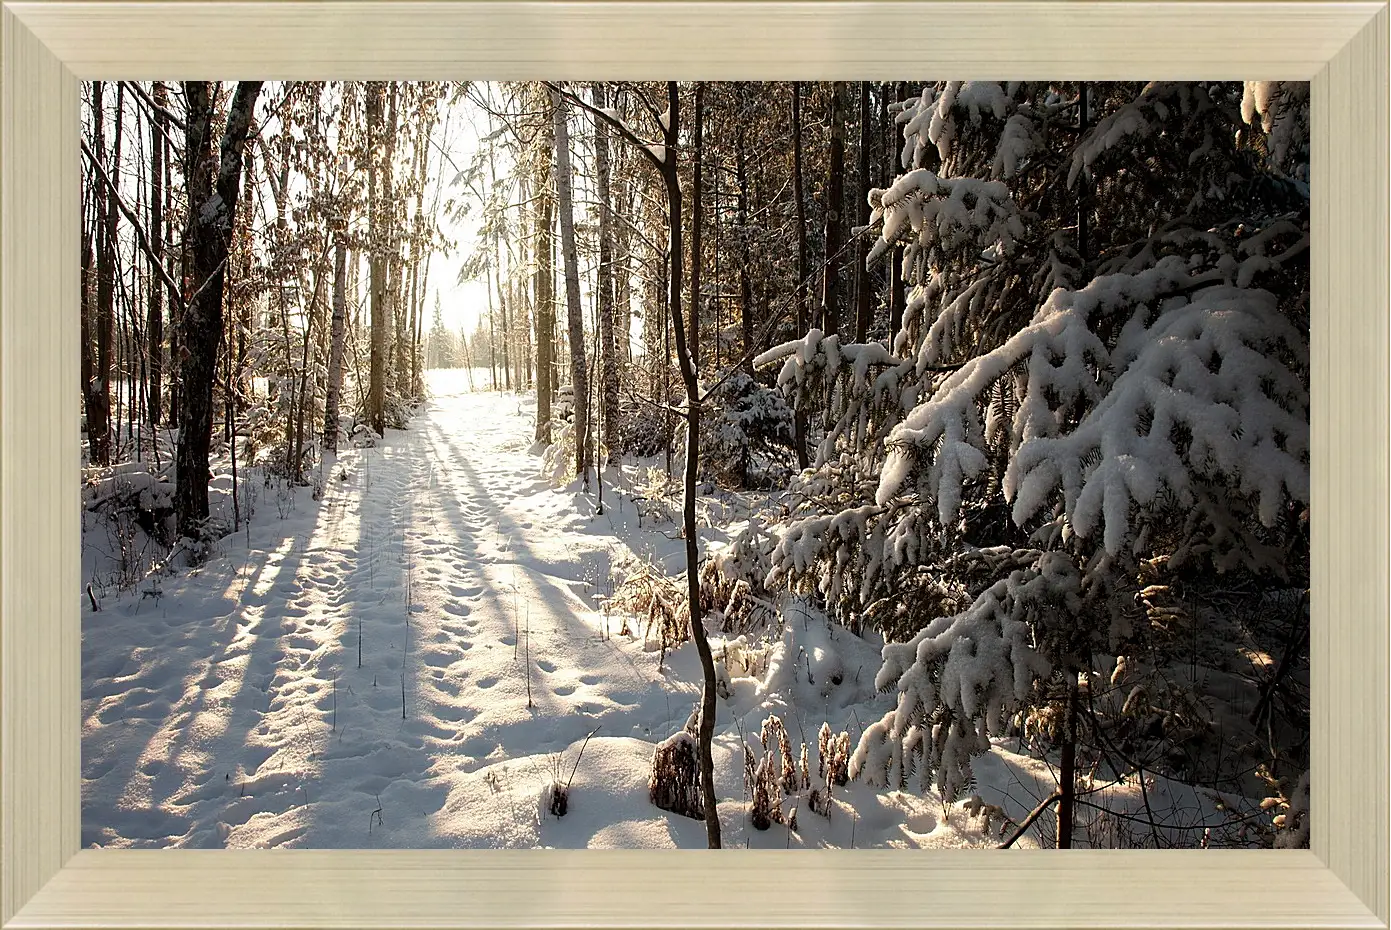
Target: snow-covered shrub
column 992, row 817
column 834, row 754
column 399, row 409
column 563, row 406
column 779, row 781
column 643, row 430
column 731, row 581
column 649, row 594
column 134, row 503
column 1081, row 398
column 675, row 782
column 746, row 433
column 557, row 462
column 774, row 776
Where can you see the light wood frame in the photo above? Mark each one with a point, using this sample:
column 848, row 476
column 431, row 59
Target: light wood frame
column 47, row 47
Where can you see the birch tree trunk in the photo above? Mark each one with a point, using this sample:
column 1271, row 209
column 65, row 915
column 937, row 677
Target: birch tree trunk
column 335, row 351
column 506, row 332
column 579, row 374
column 608, row 367
column 545, row 290
column 395, row 272
column 94, row 231
column 419, row 249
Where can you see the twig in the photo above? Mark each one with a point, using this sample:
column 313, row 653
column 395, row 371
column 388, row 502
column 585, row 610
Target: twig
column 576, row 766
column 1029, row 820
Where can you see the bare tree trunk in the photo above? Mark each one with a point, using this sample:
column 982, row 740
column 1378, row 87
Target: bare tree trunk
column 506, row 333
column 175, row 308
column 99, row 402
column 557, row 344
column 279, row 178
column 418, row 245
column 579, row 374
column 335, row 352
column 92, row 224
column 154, row 325
column 706, row 726
column 395, row 274
column 666, row 163
column 376, row 379
column 835, row 204
column 799, row 420
column 608, row 366
column 665, row 291
column 504, row 271
column 1067, row 767
column 897, row 298
column 214, row 183
column 308, row 386
column 493, row 298
column 412, row 367
column 468, row 358
column 418, row 386
column 622, row 279
column 524, row 311
column 697, row 199
column 107, row 346
column 545, row 301
column 741, row 174
column 862, row 286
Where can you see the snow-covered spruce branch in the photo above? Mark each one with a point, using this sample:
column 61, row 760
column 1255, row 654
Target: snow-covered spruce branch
column 961, row 678
column 808, row 548
column 815, row 365
column 950, row 213
column 1283, row 111
column 1200, row 388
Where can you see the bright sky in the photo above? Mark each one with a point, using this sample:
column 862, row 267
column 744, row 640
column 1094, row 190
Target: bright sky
column 458, row 142
column 457, row 137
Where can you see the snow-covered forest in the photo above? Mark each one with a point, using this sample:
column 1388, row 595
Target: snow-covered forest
column 836, row 464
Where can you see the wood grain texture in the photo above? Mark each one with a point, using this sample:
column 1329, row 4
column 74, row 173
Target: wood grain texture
column 730, row 39
column 40, row 750
column 1341, row 882
column 694, row 888
column 1350, row 422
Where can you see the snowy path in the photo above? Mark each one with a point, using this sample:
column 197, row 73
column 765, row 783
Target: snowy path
column 413, row 659
column 428, row 554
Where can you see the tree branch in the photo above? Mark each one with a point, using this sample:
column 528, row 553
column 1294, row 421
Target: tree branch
column 623, row 129
column 1028, row 821
column 173, row 288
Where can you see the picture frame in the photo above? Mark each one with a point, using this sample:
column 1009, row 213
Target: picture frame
column 48, row 46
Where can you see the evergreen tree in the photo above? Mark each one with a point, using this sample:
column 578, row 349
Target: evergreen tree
column 1101, row 380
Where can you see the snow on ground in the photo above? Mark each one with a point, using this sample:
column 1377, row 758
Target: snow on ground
column 413, row 659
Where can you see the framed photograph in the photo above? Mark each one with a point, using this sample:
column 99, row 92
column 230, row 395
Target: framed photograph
column 1038, row 356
